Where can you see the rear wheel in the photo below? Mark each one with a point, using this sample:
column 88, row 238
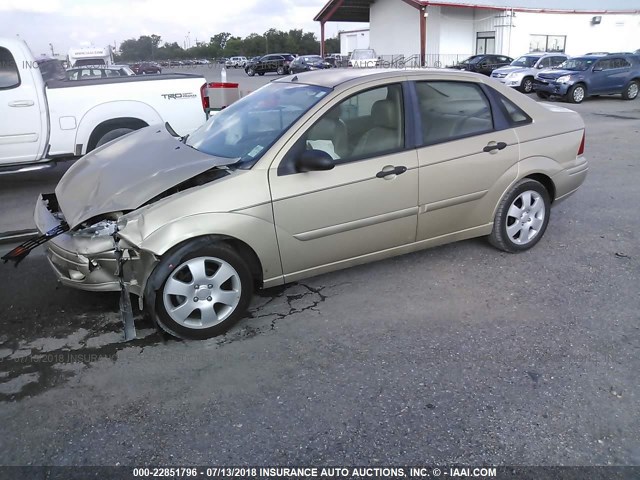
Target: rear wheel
column 522, row 217
column 112, row 135
column 280, row 71
column 206, row 293
column 630, row 92
column 576, row 94
column 527, row 85
column 251, row 72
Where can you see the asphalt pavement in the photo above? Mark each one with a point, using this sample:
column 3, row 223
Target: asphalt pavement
column 458, row 354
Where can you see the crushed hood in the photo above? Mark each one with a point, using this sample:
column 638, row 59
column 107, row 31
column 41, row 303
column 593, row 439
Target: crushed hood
column 125, row 174
column 553, row 74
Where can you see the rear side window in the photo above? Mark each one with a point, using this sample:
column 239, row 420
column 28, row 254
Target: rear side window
column 9, row 76
column 514, row 112
column 452, row 110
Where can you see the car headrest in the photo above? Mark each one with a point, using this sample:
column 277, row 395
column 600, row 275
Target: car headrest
column 384, row 114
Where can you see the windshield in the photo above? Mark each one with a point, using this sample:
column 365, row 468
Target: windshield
column 525, row 61
column 363, row 54
column 247, row 128
column 577, row 64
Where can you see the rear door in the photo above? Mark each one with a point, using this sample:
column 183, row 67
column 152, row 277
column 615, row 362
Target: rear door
column 23, row 131
column 467, row 158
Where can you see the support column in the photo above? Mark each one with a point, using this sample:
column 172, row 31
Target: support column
column 423, row 35
column 322, row 46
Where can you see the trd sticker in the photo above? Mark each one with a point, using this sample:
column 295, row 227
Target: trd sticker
column 177, row 96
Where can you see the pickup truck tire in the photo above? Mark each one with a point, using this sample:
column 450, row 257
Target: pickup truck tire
column 251, row 72
column 112, row 135
column 630, row 91
column 205, row 290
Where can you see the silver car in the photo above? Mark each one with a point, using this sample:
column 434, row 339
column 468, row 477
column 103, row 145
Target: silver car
column 310, row 173
column 521, row 72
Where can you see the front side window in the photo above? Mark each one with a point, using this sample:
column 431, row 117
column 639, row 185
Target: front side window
column 9, row 76
column 451, row 110
column 367, row 124
column 247, row 128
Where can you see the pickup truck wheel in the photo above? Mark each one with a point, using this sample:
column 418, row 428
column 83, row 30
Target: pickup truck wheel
column 251, row 72
column 112, row 135
column 631, row 90
column 206, row 293
column 521, row 217
column 527, row 85
column 576, row 94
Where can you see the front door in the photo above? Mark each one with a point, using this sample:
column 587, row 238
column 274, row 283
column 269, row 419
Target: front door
column 367, row 203
column 20, row 134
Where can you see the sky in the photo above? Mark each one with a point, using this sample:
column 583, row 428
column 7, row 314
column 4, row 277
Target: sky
column 75, row 23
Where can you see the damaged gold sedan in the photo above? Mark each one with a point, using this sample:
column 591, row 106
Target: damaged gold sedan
column 309, row 174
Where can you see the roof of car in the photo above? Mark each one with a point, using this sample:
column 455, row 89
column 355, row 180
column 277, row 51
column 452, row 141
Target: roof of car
column 103, row 67
column 336, row 76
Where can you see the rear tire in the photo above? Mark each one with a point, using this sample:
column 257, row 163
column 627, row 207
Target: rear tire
column 224, row 290
column 522, row 217
column 112, row 135
column 251, row 72
column 630, row 92
column 280, row 71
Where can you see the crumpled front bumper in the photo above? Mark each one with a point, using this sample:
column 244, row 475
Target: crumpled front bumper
column 87, row 262
column 551, row 87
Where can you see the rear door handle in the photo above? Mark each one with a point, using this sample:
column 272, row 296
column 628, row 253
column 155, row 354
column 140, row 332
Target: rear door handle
column 21, row 103
column 492, row 147
column 389, row 170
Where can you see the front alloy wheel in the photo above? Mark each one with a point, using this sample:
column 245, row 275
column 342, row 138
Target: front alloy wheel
column 522, row 217
column 527, row 85
column 206, row 293
column 576, row 94
column 631, row 91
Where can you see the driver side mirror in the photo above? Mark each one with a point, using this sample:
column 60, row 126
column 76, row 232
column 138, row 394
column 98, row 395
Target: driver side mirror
column 314, row 160
column 540, row 66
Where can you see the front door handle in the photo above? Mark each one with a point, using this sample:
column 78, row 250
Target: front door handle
column 389, row 170
column 492, row 147
column 21, row 103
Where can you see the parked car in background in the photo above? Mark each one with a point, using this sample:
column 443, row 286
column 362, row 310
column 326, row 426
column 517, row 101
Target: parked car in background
column 364, row 58
column 45, row 116
column 581, row 77
column 144, row 68
column 337, row 60
column 274, row 62
column 99, row 71
column 236, row 62
column 286, row 183
column 306, row 63
column 521, row 72
column 484, row 64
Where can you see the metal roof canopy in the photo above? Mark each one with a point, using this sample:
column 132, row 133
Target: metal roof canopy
column 358, row 10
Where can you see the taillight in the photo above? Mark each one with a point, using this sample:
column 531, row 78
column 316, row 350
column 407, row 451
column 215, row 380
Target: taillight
column 204, row 97
column 581, row 149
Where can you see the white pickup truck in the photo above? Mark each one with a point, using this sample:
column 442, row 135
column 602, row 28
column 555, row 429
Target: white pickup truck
column 43, row 117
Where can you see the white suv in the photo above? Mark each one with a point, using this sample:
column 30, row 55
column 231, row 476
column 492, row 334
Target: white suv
column 236, row 62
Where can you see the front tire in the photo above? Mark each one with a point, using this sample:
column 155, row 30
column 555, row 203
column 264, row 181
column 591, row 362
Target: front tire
column 206, row 293
column 631, row 90
column 527, row 85
column 251, row 72
column 522, row 217
column 576, row 94
column 280, row 71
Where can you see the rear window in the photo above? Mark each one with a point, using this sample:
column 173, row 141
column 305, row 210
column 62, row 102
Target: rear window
column 9, row 76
